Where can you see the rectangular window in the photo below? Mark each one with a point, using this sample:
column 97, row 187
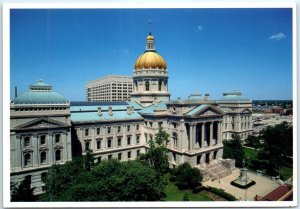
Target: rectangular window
column 129, row 155
column 160, row 124
column 99, row 159
column 128, row 128
column 108, row 130
column 128, row 140
column 137, row 127
column 138, row 139
column 98, row 131
column 108, row 143
column 120, row 156
column 119, row 142
column 27, row 141
column 109, row 156
column 98, row 144
column 86, row 132
column 198, row 160
column 150, row 124
column 119, row 129
column 138, row 152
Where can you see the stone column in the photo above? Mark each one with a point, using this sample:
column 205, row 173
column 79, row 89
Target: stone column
column 35, row 155
column 50, row 136
column 193, row 141
column 203, row 135
column 219, row 133
column 92, row 144
column 211, row 133
column 18, row 152
column 65, row 146
column 190, row 137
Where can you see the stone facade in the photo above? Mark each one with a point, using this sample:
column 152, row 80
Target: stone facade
column 238, row 115
column 40, row 134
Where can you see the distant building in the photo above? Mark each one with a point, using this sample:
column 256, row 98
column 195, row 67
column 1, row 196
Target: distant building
column 109, row 88
column 238, row 115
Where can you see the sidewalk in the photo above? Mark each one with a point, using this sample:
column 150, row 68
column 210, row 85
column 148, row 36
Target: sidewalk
column 263, row 185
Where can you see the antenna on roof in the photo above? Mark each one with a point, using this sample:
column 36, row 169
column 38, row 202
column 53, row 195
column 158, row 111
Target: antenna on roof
column 150, row 27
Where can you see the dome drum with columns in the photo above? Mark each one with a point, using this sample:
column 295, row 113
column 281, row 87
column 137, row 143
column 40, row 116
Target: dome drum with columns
column 150, row 79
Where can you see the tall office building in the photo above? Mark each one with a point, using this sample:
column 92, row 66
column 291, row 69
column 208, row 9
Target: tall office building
column 109, row 88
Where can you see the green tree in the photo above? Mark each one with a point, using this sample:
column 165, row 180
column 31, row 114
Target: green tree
column 186, row 197
column 23, row 192
column 157, row 154
column 233, row 150
column 187, row 177
column 277, row 143
column 111, row 180
column 253, row 141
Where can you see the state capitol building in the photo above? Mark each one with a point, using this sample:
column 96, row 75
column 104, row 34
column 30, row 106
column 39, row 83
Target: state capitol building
column 46, row 128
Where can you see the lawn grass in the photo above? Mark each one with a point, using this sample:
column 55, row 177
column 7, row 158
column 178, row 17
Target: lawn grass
column 286, row 171
column 250, row 153
column 174, row 194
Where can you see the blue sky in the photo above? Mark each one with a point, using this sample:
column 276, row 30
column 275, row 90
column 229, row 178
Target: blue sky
column 207, row 50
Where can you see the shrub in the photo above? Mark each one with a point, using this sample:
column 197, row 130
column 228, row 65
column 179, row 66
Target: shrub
column 223, row 194
column 187, row 177
column 243, row 186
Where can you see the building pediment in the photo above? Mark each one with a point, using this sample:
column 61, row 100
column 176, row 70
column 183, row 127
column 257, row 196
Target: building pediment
column 247, row 111
column 41, row 123
column 207, row 111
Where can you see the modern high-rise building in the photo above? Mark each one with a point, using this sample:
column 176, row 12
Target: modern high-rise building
column 108, row 89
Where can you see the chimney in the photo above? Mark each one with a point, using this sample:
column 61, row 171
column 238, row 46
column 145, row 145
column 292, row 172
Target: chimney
column 99, row 111
column 16, row 91
column 128, row 110
column 110, row 111
column 206, row 97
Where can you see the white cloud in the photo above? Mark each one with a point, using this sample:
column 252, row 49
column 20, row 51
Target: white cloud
column 200, row 27
column 277, row 36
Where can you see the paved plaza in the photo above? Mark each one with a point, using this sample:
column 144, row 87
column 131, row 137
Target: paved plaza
column 263, row 185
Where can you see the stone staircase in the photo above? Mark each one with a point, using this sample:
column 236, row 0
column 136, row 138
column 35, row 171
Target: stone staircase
column 217, row 171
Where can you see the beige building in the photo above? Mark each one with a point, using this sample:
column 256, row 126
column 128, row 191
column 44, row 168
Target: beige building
column 238, row 115
column 40, row 133
column 109, row 88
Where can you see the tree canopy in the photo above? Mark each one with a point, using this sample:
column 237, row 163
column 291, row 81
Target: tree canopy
column 233, row 150
column 187, row 177
column 110, row 180
column 157, row 154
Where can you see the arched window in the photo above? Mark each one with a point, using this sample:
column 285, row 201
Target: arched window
column 43, row 157
column 58, row 155
column 175, row 139
column 159, row 85
column 27, row 141
column 147, row 86
column 27, row 159
column 43, row 139
column 57, row 138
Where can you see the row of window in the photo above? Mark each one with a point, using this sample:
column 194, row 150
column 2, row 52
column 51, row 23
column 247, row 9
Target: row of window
column 109, row 129
column 243, row 126
column 43, row 157
column 42, row 140
column 120, row 156
column 150, row 124
column 109, row 142
column 39, row 109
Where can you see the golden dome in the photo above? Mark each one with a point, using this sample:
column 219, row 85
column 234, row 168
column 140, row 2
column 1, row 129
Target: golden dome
column 150, row 59
column 150, row 38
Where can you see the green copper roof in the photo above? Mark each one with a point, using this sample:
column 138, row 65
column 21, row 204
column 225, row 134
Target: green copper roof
column 200, row 107
column 40, row 93
column 40, row 97
column 150, row 109
column 233, row 96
